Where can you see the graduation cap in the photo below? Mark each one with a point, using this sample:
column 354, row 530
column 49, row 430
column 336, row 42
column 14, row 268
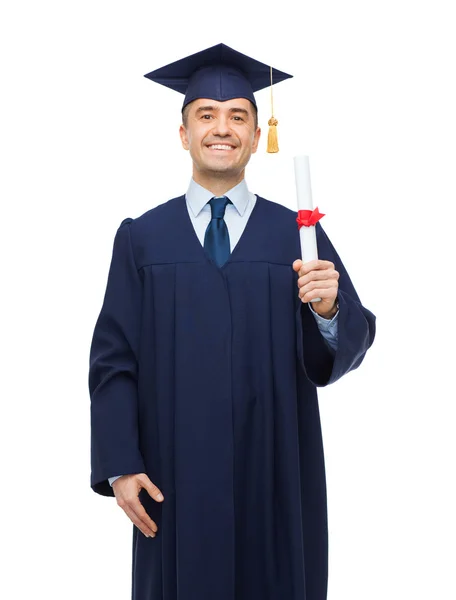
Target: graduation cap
column 221, row 73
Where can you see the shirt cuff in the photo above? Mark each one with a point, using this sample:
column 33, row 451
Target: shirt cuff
column 325, row 324
column 112, row 479
column 329, row 328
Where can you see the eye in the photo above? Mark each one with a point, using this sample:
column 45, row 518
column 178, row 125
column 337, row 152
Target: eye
column 207, row 117
column 237, row 118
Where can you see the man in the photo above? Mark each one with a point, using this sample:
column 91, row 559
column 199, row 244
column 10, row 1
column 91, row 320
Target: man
column 205, row 361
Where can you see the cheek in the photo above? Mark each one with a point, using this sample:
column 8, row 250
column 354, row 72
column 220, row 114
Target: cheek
column 249, row 142
column 192, row 140
column 196, row 138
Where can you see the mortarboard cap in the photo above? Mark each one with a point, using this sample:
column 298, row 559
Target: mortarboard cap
column 219, row 73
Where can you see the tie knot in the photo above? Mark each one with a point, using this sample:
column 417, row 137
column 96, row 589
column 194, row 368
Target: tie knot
column 218, row 206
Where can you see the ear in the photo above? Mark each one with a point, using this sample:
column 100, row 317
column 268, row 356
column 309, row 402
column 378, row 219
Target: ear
column 256, row 140
column 184, row 137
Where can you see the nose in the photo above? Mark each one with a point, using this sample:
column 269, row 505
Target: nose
column 222, row 126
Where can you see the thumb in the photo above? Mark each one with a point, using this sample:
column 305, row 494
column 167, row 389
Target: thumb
column 152, row 489
column 297, row 265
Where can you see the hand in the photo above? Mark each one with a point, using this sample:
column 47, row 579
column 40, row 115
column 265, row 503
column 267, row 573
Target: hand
column 318, row 279
column 126, row 490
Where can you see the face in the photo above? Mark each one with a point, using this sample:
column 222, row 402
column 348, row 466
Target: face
column 220, row 136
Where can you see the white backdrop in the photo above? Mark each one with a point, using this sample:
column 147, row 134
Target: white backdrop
column 86, row 141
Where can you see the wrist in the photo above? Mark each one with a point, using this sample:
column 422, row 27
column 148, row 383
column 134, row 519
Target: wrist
column 329, row 315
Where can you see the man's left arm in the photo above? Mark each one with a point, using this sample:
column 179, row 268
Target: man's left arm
column 328, row 279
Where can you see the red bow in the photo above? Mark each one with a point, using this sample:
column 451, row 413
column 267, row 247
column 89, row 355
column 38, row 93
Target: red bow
column 308, row 217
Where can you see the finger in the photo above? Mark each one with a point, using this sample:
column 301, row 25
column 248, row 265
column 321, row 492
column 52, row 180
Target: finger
column 314, row 285
column 142, row 515
column 152, row 490
column 323, row 293
column 315, row 265
column 134, row 506
column 318, row 276
column 297, row 264
column 147, row 531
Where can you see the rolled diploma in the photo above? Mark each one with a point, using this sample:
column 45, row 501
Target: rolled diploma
column 307, row 235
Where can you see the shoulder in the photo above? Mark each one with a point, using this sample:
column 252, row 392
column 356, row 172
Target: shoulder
column 276, row 215
column 276, row 208
column 149, row 233
column 282, row 218
column 152, row 219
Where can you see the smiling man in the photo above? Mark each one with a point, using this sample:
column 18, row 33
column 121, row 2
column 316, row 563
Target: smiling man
column 220, row 136
column 205, row 361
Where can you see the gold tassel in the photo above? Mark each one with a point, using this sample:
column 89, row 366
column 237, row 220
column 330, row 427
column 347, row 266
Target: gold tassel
column 273, row 142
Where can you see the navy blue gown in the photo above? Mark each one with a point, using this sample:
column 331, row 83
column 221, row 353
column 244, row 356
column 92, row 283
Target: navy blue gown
column 205, row 379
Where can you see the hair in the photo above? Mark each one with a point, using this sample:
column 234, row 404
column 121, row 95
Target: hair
column 186, row 110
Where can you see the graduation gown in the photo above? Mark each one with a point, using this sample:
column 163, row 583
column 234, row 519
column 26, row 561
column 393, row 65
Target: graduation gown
column 205, row 379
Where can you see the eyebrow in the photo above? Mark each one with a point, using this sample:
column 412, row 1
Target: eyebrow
column 216, row 108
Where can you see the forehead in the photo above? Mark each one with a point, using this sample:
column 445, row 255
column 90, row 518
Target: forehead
column 226, row 105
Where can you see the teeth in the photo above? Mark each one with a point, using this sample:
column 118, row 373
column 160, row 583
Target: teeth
column 221, row 147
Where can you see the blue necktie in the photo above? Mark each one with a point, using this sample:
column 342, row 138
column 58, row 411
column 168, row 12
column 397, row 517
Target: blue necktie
column 217, row 239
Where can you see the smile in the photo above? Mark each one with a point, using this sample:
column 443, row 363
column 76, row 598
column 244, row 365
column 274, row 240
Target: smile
column 220, row 147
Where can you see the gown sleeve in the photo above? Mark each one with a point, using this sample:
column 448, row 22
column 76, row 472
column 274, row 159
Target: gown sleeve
column 356, row 327
column 113, row 372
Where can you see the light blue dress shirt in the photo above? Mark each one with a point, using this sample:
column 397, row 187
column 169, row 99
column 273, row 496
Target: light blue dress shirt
column 236, row 216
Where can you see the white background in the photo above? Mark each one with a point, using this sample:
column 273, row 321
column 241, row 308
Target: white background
column 86, row 141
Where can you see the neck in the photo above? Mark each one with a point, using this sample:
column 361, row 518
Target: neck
column 217, row 183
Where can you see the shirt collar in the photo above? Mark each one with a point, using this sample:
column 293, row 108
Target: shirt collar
column 197, row 197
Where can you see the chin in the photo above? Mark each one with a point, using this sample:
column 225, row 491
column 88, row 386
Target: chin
column 225, row 170
column 220, row 167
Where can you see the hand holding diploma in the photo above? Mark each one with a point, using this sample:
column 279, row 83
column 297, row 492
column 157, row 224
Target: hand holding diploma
column 318, row 279
column 318, row 283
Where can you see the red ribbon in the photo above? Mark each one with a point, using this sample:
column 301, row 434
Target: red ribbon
column 308, row 217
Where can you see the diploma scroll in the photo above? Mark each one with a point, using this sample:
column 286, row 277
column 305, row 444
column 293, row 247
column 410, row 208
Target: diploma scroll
column 307, row 216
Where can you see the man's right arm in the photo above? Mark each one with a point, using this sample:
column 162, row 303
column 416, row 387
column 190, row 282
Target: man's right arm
column 113, row 375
